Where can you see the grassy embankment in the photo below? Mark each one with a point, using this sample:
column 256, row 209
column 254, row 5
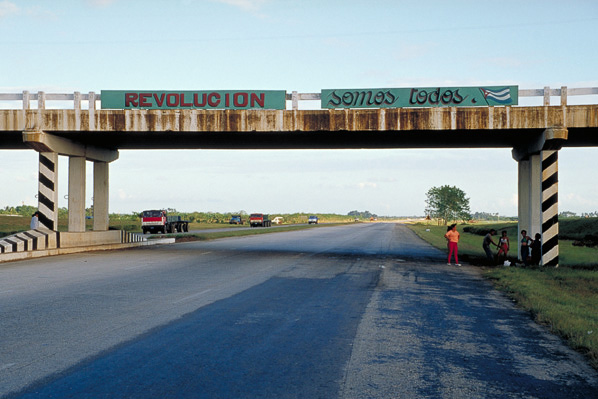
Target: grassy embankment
column 565, row 299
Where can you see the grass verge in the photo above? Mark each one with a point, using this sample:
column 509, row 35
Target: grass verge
column 564, row 299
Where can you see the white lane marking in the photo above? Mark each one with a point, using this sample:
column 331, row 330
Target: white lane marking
column 193, row 296
column 6, row 292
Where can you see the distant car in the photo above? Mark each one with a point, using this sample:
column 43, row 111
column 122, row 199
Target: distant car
column 312, row 219
column 236, row 219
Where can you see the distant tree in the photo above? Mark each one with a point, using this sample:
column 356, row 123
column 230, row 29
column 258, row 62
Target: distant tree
column 589, row 215
column 362, row 215
column 25, row 210
column 567, row 214
column 447, row 203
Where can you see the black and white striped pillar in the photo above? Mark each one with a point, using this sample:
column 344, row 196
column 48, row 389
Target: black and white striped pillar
column 48, row 190
column 550, row 211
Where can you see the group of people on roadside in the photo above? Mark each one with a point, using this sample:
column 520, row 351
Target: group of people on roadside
column 531, row 249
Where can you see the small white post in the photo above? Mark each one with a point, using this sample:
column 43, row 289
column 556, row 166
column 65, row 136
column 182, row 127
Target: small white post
column 41, row 100
column 77, row 100
column 25, row 99
column 563, row 95
column 92, row 110
column 295, row 100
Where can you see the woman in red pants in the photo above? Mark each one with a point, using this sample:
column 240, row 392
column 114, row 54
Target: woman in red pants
column 452, row 236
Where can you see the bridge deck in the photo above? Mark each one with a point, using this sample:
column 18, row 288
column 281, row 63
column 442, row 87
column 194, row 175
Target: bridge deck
column 288, row 129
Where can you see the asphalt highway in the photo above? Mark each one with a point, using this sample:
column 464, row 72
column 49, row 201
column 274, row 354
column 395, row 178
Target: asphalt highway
column 357, row 311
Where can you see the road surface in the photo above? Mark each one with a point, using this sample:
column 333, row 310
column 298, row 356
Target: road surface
column 359, row 311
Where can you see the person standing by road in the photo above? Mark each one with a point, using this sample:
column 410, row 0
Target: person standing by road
column 503, row 246
column 452, row 236
column 486, row 245
column 537, row 249
column 524, row 247
column 34, row 221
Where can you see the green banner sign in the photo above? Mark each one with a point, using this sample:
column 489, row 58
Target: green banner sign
column 421, row 97
column 222, row 99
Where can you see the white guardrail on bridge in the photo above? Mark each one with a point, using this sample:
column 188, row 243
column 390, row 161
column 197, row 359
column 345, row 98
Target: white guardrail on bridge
column 92, row 98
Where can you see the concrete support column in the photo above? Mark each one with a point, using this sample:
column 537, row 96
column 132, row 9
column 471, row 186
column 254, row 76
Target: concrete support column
column 550, row 208
column 47, row 194
column 100, row 195
column 523, row 197
column 76, row 194
column 538, row 190
column 538, row 202
column 529, row 194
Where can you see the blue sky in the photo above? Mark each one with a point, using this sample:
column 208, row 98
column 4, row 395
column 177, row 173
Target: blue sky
column 67, row 46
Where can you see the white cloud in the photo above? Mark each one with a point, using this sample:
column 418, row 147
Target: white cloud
column 367, row 185
column 8, row 8
column 101, row 3
column 246, row 5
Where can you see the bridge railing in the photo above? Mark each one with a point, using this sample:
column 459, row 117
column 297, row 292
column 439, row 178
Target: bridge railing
column 294, row 97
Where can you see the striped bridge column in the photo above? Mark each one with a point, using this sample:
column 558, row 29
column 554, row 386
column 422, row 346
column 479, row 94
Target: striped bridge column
column 550, row 218
column 47, row 195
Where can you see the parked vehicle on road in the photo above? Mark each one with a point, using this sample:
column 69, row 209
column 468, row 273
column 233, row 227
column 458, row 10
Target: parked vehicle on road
column 312, row 220
column 155, row 221
column 236, row 219
column 259, row 220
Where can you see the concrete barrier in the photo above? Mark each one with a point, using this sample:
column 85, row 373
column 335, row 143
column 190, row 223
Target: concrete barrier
column 42, row 242
column 5, row 247
column 89, row 238
column 14, row 256
column 27, row 241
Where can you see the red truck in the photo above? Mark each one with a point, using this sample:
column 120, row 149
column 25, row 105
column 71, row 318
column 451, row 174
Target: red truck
column 154, row 221
column 259, row 219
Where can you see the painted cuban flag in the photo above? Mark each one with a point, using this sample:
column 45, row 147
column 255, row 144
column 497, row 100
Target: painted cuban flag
column 501, row 96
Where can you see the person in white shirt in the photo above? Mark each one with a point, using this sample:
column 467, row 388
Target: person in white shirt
column 34, row 221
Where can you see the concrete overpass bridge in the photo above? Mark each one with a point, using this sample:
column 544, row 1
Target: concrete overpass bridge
column 535, row 134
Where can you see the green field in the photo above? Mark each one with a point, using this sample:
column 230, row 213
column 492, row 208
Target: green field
column 14, row 224
column 131, row 222
column 564, row 299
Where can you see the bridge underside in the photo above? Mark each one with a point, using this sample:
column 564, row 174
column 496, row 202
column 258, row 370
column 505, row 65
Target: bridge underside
column 497, row 127
column 134, row 140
